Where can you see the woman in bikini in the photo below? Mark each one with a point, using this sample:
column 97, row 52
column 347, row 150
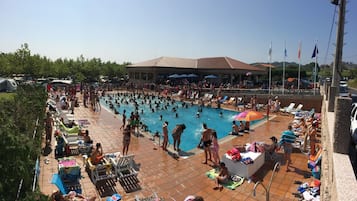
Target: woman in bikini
column 215, row 149
column 97, row 154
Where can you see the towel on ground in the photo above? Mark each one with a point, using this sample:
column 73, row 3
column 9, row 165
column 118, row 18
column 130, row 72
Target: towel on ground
column 231, row 184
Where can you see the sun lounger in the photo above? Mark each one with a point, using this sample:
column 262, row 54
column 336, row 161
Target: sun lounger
column 230, row 101
column 223, row 99
column 304, row 114
column 297, row 109
column 178, row 93
column 208, row 97
column 99, row 172
column 68, row 177
column 288, row 109
column 123, row 166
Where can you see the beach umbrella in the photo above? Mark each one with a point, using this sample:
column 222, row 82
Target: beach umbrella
column 183, row 76
column 249, row 115
column 291, row 79
column 192, row 75
column 174, row 76
column 211, row 77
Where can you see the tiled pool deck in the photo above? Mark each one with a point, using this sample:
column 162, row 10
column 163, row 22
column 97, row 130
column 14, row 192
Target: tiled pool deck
column 175, row 179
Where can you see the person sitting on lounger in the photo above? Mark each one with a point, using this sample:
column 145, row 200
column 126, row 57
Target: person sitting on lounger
column 72, row 195
column 97, row 154
column 86, row 138
column 271, row 147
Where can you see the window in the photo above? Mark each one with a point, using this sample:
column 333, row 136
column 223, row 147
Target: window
column 150, row 76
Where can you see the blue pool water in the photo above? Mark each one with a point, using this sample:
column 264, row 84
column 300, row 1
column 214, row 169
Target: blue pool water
column 191, row 135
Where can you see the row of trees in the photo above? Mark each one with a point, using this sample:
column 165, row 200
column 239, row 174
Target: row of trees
column 20, row 114
column 80, row 69
column 349, row 70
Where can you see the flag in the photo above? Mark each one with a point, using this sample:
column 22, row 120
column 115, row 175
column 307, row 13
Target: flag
column 299, row 51
column 315, row 53
column 270, row 51
column 285, row 53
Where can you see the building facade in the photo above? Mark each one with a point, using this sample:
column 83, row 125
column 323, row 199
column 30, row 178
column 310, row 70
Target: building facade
column 224, row 69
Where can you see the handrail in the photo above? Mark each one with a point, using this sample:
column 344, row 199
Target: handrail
column 267, row 189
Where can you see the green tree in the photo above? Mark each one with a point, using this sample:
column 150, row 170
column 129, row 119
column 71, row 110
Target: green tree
column 18, row 149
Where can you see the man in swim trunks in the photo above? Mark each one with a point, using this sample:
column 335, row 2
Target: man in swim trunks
column 206, row 141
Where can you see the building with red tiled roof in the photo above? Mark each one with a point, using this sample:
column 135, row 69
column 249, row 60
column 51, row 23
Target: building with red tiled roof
column 225, row 69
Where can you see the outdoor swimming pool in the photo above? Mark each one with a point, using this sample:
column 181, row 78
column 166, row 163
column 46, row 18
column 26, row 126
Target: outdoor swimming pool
column 191, row 135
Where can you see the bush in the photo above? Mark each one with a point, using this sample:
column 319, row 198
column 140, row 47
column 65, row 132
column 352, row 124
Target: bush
column 18, row 149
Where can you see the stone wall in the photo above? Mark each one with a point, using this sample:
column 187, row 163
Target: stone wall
column 338, row 179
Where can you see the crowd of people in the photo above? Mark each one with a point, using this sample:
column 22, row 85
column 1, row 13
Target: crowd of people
column 305, row 128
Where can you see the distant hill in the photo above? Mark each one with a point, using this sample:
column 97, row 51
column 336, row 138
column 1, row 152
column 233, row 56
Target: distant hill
column 349, row 65
column 278, row 64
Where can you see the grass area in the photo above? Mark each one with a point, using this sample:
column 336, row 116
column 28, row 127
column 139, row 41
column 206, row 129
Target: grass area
column 7, row 95
column 353, row 83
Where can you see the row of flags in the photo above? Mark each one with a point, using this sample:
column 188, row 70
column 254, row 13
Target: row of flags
column 314, row 53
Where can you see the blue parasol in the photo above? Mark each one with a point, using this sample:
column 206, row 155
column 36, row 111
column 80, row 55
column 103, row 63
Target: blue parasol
column 211, row 77
column 174, row 76
column 192, row 75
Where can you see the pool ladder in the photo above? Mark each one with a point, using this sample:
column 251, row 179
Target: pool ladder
column 267, row 189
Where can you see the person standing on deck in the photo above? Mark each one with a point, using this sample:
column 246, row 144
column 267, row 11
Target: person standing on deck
column 48, row 126
column 206, row 141
column 126, row 139
column 165, row 133
column 287, row 138
column 176, row 135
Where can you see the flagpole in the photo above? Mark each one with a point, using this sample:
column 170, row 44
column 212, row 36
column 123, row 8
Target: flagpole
column 284, row 66
column 270, row 52
column 299, row 55
column 269, row 76
column 315, row 73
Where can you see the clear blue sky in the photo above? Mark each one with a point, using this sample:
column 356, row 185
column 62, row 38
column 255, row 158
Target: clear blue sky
column 139, row 30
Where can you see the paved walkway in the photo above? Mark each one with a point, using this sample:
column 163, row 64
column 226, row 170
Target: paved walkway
column 174, row 179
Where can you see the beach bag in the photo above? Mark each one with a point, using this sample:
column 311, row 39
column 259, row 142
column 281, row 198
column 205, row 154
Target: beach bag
column 241, row 148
